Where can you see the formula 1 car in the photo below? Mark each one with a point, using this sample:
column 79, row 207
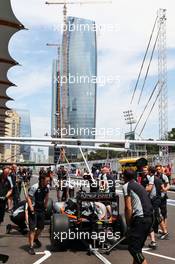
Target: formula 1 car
column 92, row 218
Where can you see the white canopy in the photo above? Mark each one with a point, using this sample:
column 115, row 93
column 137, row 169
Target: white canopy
column 7, row 13
column 9, row 25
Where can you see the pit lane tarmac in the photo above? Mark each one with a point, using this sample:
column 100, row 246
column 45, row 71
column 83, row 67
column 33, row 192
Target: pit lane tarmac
column 16, row 245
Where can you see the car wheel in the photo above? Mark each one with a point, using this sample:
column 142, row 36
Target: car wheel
column 123, row 225
column 49, row 210
column 59, row 225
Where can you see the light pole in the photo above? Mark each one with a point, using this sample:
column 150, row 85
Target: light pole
column 129, row 118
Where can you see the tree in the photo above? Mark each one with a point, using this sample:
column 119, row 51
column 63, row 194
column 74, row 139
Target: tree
column 171, row 137
column 152, row 149
column 102, row 154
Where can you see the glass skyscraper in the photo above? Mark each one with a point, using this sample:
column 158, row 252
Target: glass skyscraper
column 74, row 94
column 81, row 70
column 25, row 131
column 54, row 106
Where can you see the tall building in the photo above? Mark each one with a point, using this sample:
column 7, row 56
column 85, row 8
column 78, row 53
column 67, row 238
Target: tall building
column 82, row 68
column 25, row 131
column 41, row 157
column 54, row 97
column 12, row 152
column 82, row 71
column 78, row 89
column 38, row 155
column 55, row 108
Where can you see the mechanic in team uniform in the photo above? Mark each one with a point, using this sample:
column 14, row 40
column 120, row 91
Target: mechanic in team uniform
column 62, row 179
column 164, row 197
column 15, row 194
column 104, row 185
column 139, row 216
column 19, row 217
column 19, row 180
column 38, row 196
column 155, row 195
column 6, row 189
column 147, row 181
column 103, row 180
column 154, row 186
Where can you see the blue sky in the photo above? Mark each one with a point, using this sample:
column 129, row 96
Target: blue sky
column 119, row 54
column 33, row 89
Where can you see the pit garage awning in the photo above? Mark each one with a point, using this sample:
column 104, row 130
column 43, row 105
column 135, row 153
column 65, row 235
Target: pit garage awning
column 9, row 25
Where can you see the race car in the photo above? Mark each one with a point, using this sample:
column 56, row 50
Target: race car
column 93, row 218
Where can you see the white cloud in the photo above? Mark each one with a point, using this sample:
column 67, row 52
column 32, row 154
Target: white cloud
column 34, row 13
column 40, row 125
column 30, row 83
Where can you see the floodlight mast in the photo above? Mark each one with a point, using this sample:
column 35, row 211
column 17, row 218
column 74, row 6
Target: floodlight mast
column 129, row 118
column 162, row 76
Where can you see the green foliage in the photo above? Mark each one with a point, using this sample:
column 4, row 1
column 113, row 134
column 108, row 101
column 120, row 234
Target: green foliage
column 171, row 136
column 103, row 154
column 152, row 149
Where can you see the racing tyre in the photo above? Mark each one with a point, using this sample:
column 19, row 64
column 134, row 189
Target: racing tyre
column 59, row 225
column 123, row 228
column 49, row 210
